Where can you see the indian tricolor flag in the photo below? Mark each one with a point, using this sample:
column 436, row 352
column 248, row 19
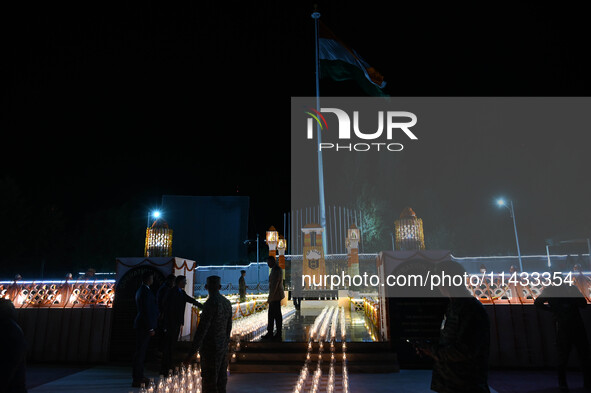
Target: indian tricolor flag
column 340, row 62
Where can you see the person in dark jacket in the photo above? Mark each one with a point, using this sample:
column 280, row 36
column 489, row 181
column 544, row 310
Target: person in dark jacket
column 461, row 355
column 276, row 294
column 212, row 338
column 13, row 350
column 145, row 324
column 174, row 318
column 160, row 296
column 242, row 286
column 564, row 301
column 163, row 290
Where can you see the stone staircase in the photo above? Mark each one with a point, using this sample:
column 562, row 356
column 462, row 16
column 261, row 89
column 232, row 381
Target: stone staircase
column 289, row 357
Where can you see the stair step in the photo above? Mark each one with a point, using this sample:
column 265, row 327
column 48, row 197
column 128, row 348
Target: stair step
column 289, row 357
column 295, row 346
column 295, row 367
column 301, row 357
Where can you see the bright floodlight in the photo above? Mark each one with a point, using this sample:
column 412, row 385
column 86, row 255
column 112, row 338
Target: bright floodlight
column 501, row 202
column 156, row 214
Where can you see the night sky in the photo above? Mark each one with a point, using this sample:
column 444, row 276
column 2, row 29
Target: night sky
column 109, row 106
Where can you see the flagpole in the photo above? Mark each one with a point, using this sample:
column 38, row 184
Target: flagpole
column 316, row 16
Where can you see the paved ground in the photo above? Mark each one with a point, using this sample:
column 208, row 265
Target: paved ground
column 116, row 379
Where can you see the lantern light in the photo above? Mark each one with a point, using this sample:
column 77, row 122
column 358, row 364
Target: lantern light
column 272, row 235
column 409, row 231
column 353, row 232
column 158, row 240
column 282, row 243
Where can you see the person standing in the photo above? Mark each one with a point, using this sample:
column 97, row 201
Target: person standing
column 13, row 348
column 173, row 319
column 212, row 338
column 145, row 324
column 242, row 286
column 163, row 290
column 276, row 294
column 461, row 355
column 564, row 301
column 160, row 296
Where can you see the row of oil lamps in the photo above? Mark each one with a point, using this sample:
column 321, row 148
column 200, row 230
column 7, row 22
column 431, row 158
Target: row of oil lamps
column 253, row 326
column 319, row 333
column 182, row 380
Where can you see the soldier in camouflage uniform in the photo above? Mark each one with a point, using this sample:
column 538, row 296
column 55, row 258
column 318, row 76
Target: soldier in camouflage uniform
column 461, row 356
column 212, row 338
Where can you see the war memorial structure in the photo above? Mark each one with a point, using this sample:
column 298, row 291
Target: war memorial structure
column 329, row 330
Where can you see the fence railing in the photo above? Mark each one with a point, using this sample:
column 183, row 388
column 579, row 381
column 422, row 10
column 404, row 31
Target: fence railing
column 503, row 288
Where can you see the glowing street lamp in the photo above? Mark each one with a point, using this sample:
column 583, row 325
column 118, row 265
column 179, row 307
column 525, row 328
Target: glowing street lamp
column 156, row 214
column 502, row 203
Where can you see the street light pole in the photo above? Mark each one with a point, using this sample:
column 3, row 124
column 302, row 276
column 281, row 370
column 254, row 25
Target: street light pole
column 258, row 266
column 501, row 202
column 516, row 238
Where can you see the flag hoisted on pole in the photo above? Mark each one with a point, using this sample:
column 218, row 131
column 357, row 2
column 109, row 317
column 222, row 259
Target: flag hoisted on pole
column 339, row 62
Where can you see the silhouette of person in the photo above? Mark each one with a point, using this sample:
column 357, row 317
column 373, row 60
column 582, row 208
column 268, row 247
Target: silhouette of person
column 160, row 296
column 163, row 290
column 276, row 294
column 242, row 286
column 174, row 317
column 461, row 356
column 564, row 301
column 13, row 348
column 212, row 338
column 145, row 324
column 297, row 301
